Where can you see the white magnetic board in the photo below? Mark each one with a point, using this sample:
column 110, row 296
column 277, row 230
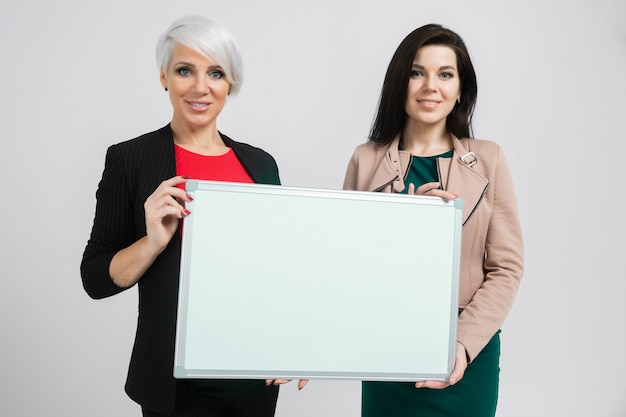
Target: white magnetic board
column 281, row 282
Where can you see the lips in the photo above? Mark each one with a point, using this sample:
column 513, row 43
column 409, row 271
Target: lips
column 428, row 102
column 198, row 105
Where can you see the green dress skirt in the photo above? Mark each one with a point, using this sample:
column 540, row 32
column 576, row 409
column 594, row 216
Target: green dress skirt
column 476, row 395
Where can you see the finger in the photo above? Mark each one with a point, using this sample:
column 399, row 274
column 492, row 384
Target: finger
column 280, row 381
column 174, row 181
column 437, row 385
column 170, row 187
column 166, row 197
column 427, row 187
column 445, row 195
column 456, row 375
column 302, row 383
column 411, row 189
column 431, row 384
column 167, row 207
column 460, row 365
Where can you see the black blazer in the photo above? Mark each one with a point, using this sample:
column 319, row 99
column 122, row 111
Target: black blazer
column 132, row 171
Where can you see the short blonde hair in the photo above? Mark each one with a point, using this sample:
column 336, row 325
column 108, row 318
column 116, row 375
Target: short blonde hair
column 208, row 37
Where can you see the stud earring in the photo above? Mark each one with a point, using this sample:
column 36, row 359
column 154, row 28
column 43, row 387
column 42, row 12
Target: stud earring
column 458, row 100
column 165, row 89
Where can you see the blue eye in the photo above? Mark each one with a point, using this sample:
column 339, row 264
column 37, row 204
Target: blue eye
column 216, row 74
column 184, row 71
column 446, row 75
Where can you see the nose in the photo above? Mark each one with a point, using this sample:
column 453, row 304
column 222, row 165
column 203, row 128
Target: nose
column 201, row 85
column 430, row 83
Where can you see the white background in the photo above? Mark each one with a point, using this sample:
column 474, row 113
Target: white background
column 78, row 76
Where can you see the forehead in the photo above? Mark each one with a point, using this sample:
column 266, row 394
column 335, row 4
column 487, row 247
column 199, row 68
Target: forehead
column 183, row 53
column 435, row 55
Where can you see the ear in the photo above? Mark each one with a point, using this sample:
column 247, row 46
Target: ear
column 163, row 78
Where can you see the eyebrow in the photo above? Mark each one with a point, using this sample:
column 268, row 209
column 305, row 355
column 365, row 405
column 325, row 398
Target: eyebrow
column 445, row 67
column 189, row 64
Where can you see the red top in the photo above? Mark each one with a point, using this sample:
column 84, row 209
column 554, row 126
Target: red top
column 215, row 168
column 224, row 167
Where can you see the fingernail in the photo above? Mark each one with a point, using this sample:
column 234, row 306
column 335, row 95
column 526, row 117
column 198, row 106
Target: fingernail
column 185, row 177
column 190, row 198
column 187, row 212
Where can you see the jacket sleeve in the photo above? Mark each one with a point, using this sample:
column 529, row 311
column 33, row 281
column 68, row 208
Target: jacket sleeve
column 502, row 266
column 350, row 180
column 113, row 228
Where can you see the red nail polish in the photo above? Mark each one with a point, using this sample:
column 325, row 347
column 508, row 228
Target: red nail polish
column 190, row 198
column 186, row 211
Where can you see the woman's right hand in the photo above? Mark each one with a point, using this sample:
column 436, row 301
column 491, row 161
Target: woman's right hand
column 164, row 208
column 432, row 189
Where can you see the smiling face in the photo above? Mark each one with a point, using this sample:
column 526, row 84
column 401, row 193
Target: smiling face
column 434, row 87
column 197, row 88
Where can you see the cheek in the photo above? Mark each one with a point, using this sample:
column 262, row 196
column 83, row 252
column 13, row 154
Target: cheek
column 456, row 90
column 180, row 86
column 224, row 86
column 451, row 93
column 414, row 86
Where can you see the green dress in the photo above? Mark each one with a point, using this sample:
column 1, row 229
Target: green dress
column 423, row 169
column 475, row 395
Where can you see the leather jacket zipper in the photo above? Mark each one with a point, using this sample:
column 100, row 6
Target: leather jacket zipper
column 385, row 185
column 469, row 216
column 477, row 203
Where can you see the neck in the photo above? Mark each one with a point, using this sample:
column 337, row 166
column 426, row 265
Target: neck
column 204, row 141
column 426, row 140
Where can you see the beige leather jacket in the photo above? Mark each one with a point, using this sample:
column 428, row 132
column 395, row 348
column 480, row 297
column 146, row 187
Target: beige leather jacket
column 491, row 249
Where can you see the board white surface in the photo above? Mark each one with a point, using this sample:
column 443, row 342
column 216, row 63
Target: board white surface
column 307, row 283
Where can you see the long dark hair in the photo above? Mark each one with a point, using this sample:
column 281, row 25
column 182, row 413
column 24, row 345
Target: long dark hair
column 391, row 115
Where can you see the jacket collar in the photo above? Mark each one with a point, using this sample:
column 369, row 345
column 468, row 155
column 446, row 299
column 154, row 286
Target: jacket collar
column 391, row 169
column 460, row 174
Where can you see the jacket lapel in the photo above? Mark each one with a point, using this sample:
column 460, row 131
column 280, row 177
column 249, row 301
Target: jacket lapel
column 461, row 177
column 393, row 164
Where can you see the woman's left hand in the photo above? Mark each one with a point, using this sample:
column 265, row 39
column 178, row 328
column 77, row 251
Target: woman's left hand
column 460, row 366
column 301, row 382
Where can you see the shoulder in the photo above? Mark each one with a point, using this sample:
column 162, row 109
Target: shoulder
column 488, row 153
column 241, row 147
column 480, row 145
column 162, row 135
column 490, row 156
column 371, row 147
column 148, row 149
column 369, row 151
column 260, row 164
column 149, row 158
